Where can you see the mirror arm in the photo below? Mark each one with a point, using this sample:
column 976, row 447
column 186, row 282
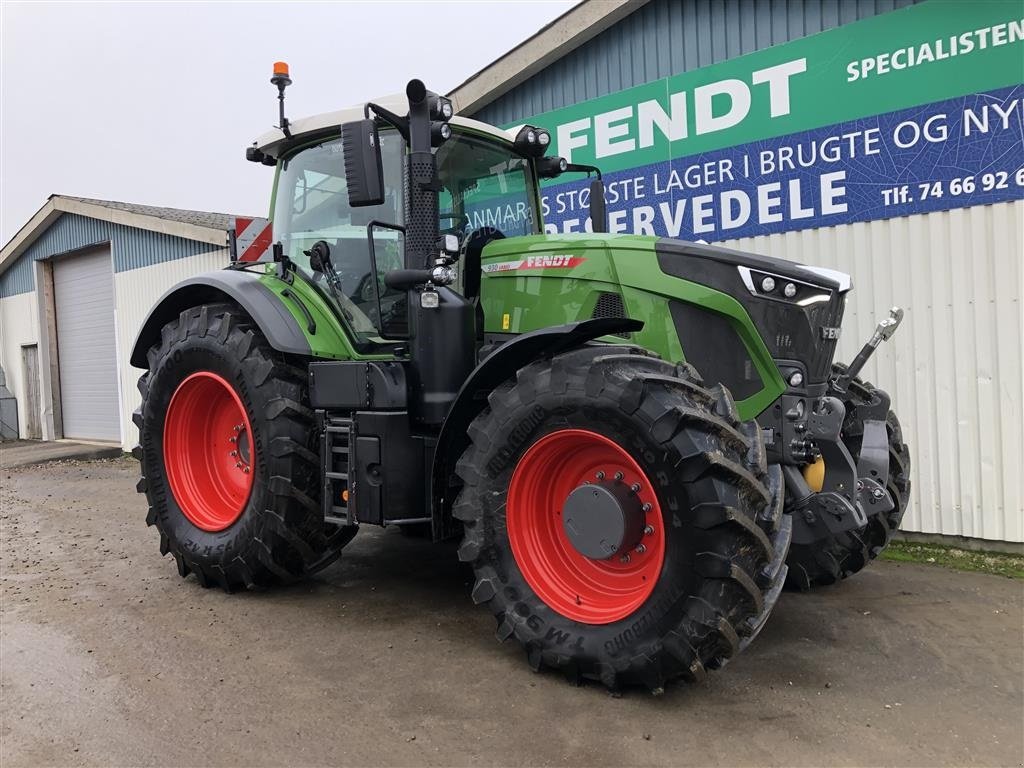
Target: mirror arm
column 581, row 168
column 401, row 124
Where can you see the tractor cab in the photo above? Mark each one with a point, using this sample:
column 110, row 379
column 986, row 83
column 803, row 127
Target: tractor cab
column 486, row 186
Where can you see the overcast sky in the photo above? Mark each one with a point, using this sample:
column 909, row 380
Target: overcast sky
column 155, row 102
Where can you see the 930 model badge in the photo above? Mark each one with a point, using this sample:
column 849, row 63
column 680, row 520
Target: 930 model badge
column 553, row 261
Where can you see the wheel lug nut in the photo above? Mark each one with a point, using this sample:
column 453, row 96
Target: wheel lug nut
column 232, row 439
column 648, row 530
column 619, row 475
column 238, row 463
column 624, row 559
column 641, row 549
column 238, row 427
column 234, row 453
column 635, row 487
column 600, row 475
column 247, row 472
column 646, row 507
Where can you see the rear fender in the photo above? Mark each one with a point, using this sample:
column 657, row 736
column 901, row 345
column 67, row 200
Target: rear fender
column 499, row 366
column 266, row 309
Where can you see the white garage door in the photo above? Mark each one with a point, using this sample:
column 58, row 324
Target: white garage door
column 83, row 288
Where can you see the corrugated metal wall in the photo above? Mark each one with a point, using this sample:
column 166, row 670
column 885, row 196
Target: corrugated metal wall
column 646, row 46
column 954, row 368
column 145, row 264
column 19, row 278
column 132, row 248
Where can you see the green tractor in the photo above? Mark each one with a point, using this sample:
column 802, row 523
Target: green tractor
column 638, row 440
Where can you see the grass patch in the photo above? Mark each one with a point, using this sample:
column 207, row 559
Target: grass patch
column 996, row 563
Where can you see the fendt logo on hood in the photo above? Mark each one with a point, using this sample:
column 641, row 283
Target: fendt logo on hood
column 554, row 261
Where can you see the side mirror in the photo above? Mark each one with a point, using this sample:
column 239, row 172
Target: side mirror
column 364, row 170
column 598, row 210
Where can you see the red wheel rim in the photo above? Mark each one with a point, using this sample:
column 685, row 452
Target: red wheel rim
column 208, row 451
column 580, row 588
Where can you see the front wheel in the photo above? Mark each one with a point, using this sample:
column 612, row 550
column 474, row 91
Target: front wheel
column 227, row 449
column 620, row 519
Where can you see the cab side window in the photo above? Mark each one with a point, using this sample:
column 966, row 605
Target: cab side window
column 312, row 204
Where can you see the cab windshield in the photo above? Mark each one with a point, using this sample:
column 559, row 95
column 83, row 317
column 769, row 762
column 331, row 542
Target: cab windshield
column 484, row 184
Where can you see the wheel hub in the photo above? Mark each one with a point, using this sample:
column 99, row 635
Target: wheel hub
column 603, row 520
column 585, row 526
column 241, row 450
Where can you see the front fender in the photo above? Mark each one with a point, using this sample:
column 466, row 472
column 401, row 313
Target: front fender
column 499, row 366
column 245, row 289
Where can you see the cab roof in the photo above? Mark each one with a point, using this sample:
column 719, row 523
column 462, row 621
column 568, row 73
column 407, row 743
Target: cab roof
column 274, row 142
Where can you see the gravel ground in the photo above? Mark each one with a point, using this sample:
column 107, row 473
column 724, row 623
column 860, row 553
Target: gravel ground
column 108, row 658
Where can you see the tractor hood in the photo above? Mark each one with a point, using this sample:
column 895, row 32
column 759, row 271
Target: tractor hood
column 679, row 289
column 678, row 258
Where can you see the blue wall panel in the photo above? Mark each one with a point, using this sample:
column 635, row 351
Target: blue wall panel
column 132, row 248
column 666, row 37
column 20, row 278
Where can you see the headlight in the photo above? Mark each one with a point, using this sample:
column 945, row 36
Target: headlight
column 532, row 141
column 443, row 108
column 762, row 284
column 440, row 133
column 551, row 167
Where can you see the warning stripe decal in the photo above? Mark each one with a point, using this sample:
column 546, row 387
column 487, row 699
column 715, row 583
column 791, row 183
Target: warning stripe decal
column 253, row 238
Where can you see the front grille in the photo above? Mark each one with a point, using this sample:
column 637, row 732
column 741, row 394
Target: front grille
column 828, row 315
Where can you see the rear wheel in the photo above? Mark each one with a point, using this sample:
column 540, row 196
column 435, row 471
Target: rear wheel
column 830, row 560
column 620, row 519
column 228, row 455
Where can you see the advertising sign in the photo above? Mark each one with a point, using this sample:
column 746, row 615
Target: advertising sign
column 912, row 111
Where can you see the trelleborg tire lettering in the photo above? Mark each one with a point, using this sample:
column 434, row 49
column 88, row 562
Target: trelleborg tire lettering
column 725, row 534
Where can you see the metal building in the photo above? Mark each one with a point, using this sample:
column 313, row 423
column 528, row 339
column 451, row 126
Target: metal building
column 883, row 138
column 937, row 227
column 76, row 283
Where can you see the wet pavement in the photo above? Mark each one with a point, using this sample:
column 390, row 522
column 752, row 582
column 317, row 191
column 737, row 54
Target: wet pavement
column 108, row 658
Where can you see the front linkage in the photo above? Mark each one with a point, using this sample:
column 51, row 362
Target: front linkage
column 849, row 500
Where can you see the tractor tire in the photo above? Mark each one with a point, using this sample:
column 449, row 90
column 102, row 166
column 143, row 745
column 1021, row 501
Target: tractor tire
column 229, row 457
column 707, row 563
column 831, row 560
